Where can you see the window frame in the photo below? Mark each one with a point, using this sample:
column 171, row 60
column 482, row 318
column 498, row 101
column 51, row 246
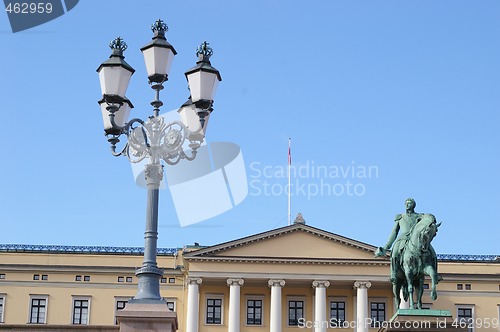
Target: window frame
column 75, row 298
column 255, row 298
column 295, row 299
column 117, row 300
column 377, row 300
column 171, row 300
column 470, row 307
column 337, row 300
column 214, row 297
column 2, row 306
column 46, row 307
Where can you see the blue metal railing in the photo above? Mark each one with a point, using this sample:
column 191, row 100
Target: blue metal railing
column 81, row 249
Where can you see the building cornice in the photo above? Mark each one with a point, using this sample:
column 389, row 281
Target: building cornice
column 287, row 260
column 289, row 276
column 80, row 269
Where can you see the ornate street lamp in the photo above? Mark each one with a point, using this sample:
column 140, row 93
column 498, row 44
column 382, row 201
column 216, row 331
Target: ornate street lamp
column 154, row 139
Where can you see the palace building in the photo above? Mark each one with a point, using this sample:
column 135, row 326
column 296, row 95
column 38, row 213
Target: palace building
column 280, row 280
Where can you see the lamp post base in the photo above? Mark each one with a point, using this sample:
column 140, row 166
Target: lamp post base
column 154, row 317
column 149, row 285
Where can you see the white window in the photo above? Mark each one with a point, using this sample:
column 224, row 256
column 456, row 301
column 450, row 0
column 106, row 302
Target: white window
column 296, row 310
column 171, row 303
column 338, row 311
column 214, row 305
column 465, row 314
column 80, row 311
column 38, row 309
column 2, row 306
column 378, row 311
column 120, row 303
column 254, row 310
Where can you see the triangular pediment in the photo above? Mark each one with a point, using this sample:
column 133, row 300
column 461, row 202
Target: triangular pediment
column 298, row 241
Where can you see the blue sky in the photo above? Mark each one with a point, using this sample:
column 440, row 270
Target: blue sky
column 408, row 89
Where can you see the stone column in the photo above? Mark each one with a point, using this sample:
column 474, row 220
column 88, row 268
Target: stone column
column 193, row 305
column 234, row 304
column 275, row 325
column 362, row 305
column 321, row 323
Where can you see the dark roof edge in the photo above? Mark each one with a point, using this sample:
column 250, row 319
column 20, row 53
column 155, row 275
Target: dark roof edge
column 99, row 250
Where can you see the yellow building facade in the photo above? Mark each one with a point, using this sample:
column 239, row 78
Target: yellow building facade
column 285, row 279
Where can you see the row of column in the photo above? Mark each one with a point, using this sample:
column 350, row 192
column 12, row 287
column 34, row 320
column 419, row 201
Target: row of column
column 320, row 309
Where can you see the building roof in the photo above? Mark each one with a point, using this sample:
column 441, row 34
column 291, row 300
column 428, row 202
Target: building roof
column 57, row 249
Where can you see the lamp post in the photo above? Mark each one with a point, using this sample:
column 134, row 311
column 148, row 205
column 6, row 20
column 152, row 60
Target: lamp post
column 154, row 139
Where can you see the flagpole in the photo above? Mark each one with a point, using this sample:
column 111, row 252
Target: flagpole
column 289, row 188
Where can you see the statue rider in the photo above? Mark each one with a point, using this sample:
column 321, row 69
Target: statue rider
column 403, row 225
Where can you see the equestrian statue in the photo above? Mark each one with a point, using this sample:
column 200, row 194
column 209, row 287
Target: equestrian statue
column 412, row 255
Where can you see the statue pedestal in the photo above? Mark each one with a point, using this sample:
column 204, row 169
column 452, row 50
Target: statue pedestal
column 416, row 320
column 153, row 317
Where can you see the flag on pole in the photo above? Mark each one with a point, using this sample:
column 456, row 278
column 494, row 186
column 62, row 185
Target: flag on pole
column 289, row 153
column 289, row 185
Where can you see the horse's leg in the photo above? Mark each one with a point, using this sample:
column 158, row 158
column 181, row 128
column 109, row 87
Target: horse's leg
column 420, row 292
column 409, row 282
column 396, row 287
column 430, row 271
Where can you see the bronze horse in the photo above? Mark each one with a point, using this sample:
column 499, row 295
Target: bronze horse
column 415, row 261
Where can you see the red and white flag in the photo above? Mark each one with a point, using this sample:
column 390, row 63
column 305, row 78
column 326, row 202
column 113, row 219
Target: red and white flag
column 289, row 153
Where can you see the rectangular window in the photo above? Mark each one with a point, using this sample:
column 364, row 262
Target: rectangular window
column 171, row 305
column 36, row 277
column 129, row 279
column 460, row 286
column 466, row 314
column 337, row 313
column 295, row 312
column 468, row 287
column 254, row 312
column 121, row 279
column 2, row 275
column 171, row 280
column 38, row 310
column 426, row 286
column 45, row 277
column 120, row 304
column 86, row 278
column 2, row 301
column 214, row 311
column 377, row 312
column 78, row 278
column 163, row 280
column 80, row 312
